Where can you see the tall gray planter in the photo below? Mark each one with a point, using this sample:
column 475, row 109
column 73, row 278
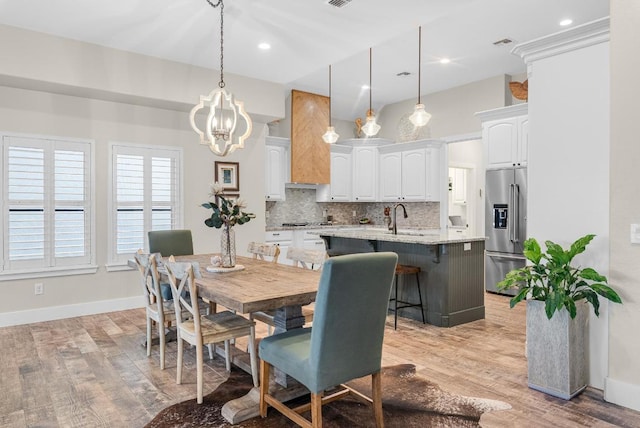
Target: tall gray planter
column 557, row 350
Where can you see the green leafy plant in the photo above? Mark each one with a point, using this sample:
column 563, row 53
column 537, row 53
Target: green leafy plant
column 551, row 278
column 226, row 212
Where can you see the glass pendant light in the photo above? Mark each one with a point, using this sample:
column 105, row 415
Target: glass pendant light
column 330, row 136
column 225, row 112
column 370, row 128
column 420, row 117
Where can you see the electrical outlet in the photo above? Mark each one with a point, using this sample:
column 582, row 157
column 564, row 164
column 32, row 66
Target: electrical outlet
column 39, row 288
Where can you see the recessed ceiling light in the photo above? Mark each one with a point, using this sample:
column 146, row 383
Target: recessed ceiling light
column 566, row 22
column 264, row 46
column 445, row 61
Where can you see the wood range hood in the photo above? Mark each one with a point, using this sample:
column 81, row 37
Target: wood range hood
column 310, row 155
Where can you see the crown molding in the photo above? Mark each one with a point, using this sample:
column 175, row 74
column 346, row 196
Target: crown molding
column 521, row 109
column 582, row 36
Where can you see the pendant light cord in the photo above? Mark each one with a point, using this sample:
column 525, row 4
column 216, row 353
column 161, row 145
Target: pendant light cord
column 221, row 4
column 329, row 94
column 370, row 88
column 419, row 59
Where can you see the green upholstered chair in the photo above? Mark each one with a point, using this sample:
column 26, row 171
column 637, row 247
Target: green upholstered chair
column 345, row 341
column 171, row 242
column 176, row 242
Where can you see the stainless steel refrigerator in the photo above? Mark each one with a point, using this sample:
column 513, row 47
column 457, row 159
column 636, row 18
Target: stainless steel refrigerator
column 506, row 224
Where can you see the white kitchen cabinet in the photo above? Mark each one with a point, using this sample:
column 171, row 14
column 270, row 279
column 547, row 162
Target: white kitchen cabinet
column 410, row 172
column 365, row 173
column 391, row 176
column 276, row 168
column 341, row 174
column 505, row 134
column 435, row 164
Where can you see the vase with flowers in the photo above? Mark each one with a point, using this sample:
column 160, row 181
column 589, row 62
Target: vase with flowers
column 226, row 214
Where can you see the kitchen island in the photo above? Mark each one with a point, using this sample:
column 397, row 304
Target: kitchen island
column 452, row 277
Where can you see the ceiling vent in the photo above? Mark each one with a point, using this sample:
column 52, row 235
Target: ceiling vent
column 339, row 3
column 503, row 42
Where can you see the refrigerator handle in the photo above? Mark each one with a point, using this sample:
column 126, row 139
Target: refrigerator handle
column 516, row 206
column 511, row 229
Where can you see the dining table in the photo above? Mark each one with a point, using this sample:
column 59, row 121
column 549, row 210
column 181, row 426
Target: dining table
column 255, row 285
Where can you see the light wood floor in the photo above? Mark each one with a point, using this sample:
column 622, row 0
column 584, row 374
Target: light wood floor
column 93, row 372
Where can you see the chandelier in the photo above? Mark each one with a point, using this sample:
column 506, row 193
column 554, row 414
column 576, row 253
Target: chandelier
column 420, row 117
column 225, row 114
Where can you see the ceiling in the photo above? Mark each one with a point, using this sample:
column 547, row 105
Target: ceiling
column 308, row 35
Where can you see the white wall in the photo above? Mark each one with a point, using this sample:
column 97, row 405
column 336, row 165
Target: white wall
column 34, row 112
column 568, row 165
column 91, row 92
column 453, row 111
column 623, row 383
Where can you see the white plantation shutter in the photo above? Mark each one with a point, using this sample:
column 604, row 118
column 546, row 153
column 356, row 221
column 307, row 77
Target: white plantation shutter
column 46, row 204
column 146, row 195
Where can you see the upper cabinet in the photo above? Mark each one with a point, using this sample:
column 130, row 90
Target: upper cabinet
column 505, row 134
column 310, row 155
column 365, row 171
column 341, row 176
column 354, row 171
column 276, row 167
column 410, row 172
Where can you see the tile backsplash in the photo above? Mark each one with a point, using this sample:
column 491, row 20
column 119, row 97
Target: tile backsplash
column 301, row 206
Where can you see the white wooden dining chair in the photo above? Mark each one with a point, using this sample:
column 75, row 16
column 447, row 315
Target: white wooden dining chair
column 157, row 310
column 199, row 330
column 307, row 259
column 260, row 251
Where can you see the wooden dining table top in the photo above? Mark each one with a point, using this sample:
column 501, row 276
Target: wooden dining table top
column 260, row 286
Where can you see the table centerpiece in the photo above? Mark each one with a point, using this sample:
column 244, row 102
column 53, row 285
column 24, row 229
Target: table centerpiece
column 226, row 213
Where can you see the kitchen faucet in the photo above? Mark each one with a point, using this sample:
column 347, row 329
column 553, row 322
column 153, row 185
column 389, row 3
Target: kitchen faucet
column 394, row 224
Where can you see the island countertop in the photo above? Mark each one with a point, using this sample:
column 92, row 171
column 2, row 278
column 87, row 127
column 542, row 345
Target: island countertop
column 406, row 237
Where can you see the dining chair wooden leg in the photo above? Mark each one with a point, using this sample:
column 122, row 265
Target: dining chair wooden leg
column 179, row 363
column 376, row 392
column 199, row 369
column 253, row 357
column 162, row 339
column 211, row 349
column 264, row 386
column 148, row 337
column 316, row 410
column 227, row 353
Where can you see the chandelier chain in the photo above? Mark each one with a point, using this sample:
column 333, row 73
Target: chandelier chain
column 221, row 4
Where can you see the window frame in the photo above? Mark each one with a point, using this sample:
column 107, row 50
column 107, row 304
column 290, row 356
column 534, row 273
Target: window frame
column 50, row 265
column 118, row 262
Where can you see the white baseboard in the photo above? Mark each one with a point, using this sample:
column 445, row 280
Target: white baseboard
column 622, row 393
column 68, row 311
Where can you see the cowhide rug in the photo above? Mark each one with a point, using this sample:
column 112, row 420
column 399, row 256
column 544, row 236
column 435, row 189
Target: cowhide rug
column 408, row 401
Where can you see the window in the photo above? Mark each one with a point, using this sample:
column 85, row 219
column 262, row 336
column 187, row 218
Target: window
column 47, row 214
column 145, row 196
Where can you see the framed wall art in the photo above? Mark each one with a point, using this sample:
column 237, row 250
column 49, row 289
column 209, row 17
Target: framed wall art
column 228, row 175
